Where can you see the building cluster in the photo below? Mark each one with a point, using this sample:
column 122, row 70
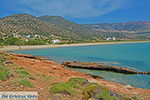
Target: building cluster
column 27, row 37
column 110, row 38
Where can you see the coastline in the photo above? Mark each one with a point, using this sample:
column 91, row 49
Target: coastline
column 28, row 47
column 46, row 74
column 48, row 67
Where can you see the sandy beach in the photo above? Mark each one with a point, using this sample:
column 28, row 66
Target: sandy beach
column 28, row 47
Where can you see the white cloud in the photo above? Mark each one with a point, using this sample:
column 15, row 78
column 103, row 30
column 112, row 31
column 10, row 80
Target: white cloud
column 71, row 8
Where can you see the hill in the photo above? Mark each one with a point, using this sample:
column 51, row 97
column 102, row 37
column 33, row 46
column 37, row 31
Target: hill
column 79, row 29
column 25, row 23
column 59, row 27
column 130, row 30
column 136, row 26
column 62, row 22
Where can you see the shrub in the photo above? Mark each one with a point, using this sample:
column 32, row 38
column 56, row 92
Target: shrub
column 45, row 77
column 2, row 56
column 22, row 72
column 136, row 97
column 14, row 41
column 1, row 59
column 86, row 91
column 3, row 76
column 4, row 73
column 36, row 41
column 80, row 81
column 62, row 88
column 24, row 82
column 69, row 87
column 32, row 77
column 73, row 84
column 104, row 92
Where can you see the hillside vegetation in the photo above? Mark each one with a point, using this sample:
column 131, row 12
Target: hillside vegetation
column 24, row 23
column 136, row 26
column 61, row 28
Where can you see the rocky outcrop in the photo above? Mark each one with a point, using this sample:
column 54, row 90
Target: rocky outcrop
column 101, row 66
column 31, row 57
column 95, row 91
column 95, row 76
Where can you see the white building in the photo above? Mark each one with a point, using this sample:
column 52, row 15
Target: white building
column 109, row 38
column 26, row 40
column 28, row 36
column 37, row 36
column 56, row 41
column 15, row 35
column 113, row 38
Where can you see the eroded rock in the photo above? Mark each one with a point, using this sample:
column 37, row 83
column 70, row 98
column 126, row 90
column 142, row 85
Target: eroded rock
column 101, row 66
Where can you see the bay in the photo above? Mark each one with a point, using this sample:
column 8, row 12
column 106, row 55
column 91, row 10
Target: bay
column 131, row 55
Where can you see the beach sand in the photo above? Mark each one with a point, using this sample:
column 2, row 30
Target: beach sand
column 28, row 47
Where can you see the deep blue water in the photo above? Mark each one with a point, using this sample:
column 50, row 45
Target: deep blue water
column 132, row 55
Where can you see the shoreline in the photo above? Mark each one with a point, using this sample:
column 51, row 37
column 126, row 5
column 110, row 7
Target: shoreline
column 46, row 74
column 44, row 65
column 29, row 47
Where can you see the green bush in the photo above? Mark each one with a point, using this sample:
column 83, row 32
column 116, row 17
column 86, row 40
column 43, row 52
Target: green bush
column 73, row 84
column 62, row 88
column 86, row 91
column 48, row 78
column 1, row 40
column 136, row 97
column 3, row 76
column 69, row 87
column 80, row 81
column 36, row 41
column 1, row 59
column 22, row 72
column 24, row 82
column 104, row 94
column 13, row 41
column 4, row 73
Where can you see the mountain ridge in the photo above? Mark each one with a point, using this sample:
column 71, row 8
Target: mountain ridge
column 63, row 28
column 26, row 23
column 128, row 26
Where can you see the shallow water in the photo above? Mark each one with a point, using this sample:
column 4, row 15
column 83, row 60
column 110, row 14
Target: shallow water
column 132, row 55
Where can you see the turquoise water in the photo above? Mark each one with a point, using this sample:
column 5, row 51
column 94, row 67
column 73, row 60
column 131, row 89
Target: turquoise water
column 132, row 55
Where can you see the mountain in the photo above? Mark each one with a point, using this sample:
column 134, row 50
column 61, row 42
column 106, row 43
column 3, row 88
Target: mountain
column 60, row 27
column 137, row 26
column 25, row 23
column 103, row 30
column 62, row 22
column 81, row 30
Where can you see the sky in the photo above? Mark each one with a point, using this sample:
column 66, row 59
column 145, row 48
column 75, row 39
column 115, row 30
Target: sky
column 81, row 11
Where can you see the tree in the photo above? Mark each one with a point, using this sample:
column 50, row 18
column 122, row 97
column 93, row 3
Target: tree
column 36, row 41
column 1, row 40
column 13, row 41
column 19, row 42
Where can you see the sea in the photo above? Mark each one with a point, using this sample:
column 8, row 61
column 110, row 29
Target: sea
column 131, row 55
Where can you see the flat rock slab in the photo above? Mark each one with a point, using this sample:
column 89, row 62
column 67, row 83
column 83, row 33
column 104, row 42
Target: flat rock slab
column 101, row 66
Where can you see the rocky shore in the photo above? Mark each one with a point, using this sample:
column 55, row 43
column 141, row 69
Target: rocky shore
column 53, row 82
column 101, row 66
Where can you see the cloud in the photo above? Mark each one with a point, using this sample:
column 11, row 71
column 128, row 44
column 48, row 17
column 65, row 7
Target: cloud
column 70, row 8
